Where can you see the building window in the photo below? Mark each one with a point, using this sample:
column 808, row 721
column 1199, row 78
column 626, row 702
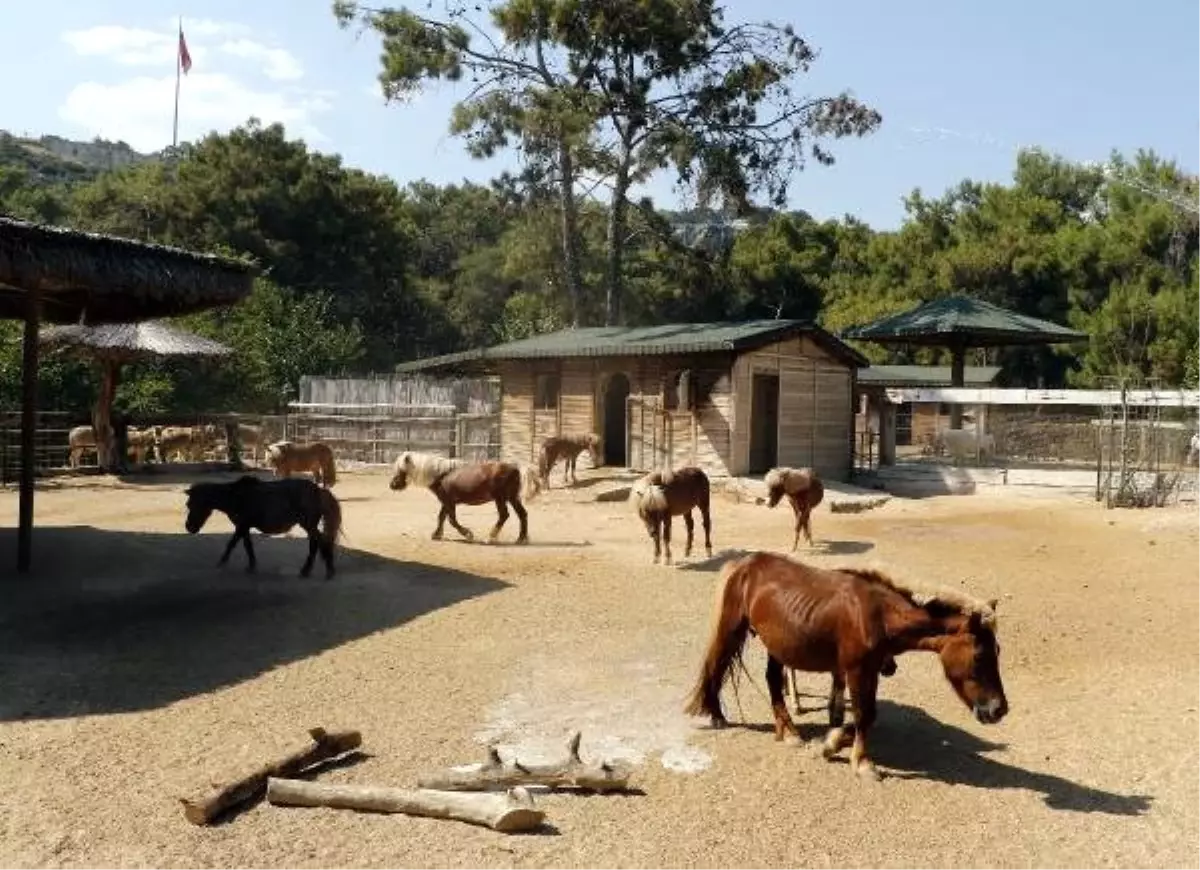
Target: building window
column 546, row 392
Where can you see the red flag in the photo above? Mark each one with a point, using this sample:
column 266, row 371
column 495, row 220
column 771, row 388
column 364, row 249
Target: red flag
column 185, row 59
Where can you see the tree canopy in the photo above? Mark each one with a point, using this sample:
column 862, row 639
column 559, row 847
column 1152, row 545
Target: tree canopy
column 361, row 273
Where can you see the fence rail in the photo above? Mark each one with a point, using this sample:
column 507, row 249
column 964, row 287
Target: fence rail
column 50, row 444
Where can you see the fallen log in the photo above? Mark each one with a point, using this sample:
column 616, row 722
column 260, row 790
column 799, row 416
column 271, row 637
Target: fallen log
column 509, row 813
column 569, row 773
column 202, row 809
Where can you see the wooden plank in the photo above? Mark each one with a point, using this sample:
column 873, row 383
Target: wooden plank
column 516, row 413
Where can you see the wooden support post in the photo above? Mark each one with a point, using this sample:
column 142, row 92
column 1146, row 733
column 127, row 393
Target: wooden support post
column 29, row 385
column 958, row 364
column 887, row 432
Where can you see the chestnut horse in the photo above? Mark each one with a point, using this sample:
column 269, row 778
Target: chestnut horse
column 287, row 457
column 566, row 448
column 661, row 495
column 460, row 481
column 273, row 507
column 848, row 623
column 804, row 490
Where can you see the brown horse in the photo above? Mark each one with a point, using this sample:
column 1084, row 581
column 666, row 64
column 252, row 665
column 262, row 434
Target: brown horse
column 273, row 507
column 566, row 448
column 804, row 490
column 287, row 458
column 661, row 495
column 459, row 481
column 847, row 623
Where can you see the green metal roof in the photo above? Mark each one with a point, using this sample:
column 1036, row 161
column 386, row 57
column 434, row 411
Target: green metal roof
column 925, row 376
column 955, row 319
column 672, row 338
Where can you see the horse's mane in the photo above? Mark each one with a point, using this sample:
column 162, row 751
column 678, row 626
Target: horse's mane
column 648, row 492
column 424, row 468
column 941, row 597
column 791, row 479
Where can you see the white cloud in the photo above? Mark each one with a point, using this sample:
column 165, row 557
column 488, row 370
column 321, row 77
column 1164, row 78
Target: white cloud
column 232, row 78
column 139, row 110
column 138, row 46
column 277, row 63
column 130, row 46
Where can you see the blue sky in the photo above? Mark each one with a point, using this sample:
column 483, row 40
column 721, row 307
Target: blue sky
column 961, row 85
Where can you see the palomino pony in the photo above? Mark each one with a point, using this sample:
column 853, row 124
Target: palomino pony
column 287, row 458
column 804, row 490
column 848, row 623
column 661, row 495
column 566, row 448
column 461, row 481
column 273, row 507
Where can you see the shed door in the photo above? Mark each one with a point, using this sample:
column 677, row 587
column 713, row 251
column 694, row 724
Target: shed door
column 764, row 423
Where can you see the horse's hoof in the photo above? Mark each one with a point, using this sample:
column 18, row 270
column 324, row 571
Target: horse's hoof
column 522, row 541
column 719, row 723
column 435, row 537
column 793, row 740
column 867, row 772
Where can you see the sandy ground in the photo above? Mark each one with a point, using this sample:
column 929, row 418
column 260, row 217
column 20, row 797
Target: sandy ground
column 133, row 671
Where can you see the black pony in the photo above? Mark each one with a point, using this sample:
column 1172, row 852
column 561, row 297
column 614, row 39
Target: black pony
column 273, row 507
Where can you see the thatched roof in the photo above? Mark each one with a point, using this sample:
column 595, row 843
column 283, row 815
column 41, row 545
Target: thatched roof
column 104, row 279
column 131, row 340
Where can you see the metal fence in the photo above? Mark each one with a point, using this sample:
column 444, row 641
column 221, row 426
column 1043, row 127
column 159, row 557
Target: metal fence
column 50, row 442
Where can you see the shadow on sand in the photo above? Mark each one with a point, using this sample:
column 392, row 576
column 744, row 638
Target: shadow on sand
column 908, row 743
column 820, row 548
column 116, row 621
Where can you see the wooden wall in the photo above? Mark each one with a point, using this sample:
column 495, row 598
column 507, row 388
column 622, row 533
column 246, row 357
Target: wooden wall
column 816, row 413
column 656, row 438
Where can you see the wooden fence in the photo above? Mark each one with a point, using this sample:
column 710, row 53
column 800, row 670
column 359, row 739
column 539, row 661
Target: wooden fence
column 372, row 420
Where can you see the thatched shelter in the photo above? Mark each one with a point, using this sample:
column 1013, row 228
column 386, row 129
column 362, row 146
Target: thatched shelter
column 60, row 275
column 112, row 345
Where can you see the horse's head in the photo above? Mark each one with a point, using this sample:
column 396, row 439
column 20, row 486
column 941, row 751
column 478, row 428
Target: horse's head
column 400, row 472
column 971, row 660
column 199, row 508
column 775, row 486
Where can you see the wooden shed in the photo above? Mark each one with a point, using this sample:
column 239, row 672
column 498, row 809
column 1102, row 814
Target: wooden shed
column 733, row 398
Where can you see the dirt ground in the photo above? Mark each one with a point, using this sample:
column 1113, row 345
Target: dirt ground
column 134, row 671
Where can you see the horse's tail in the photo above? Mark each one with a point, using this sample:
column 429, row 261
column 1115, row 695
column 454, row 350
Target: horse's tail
column 728, row 630
column 331, row 514
column 530, row 480
column 328, row 466
column 816, row 492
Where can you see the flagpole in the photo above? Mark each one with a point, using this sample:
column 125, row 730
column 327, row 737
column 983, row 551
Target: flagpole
column 178, row 71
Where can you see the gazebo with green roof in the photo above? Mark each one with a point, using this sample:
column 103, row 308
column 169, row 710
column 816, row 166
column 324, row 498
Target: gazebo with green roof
column 59, row 275
column 959, row 323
